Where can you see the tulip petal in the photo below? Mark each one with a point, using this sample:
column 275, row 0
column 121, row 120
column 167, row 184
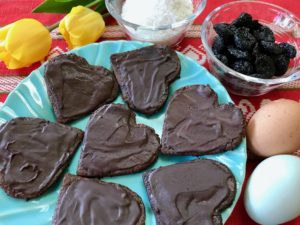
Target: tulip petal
column 15, row 64
column 10, row 62
column 24, row 42
column 4, row 56
column 4, row 31
column 63, row 31
column 82, row 26
column 27, row 41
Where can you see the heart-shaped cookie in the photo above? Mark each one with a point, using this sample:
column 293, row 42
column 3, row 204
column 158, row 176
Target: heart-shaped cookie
column 195, row 124
column 84, row 201
column 190, row 193
column 144, row 76
column 33, row 153
column 76, row 88
column 114, row 144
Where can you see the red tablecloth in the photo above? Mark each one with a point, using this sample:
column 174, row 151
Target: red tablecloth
column 12, row 10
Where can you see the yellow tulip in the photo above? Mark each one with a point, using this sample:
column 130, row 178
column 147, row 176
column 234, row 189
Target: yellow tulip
column 24, row 42
column 81, row 26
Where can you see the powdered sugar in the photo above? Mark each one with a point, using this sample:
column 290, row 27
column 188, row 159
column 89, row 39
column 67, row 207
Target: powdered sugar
column 156, row 12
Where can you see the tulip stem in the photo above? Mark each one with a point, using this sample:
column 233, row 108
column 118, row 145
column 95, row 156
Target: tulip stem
column 93, row 3
column 53, row 26
column 90, row 5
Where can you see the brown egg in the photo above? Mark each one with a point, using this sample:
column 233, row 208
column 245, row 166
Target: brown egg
column 275, row 128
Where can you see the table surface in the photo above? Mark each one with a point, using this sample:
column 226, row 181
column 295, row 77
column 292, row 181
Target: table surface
column 12, row 10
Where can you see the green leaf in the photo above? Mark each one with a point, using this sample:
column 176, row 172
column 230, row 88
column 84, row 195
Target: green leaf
column 61, row 6
column 101, row 7
column 63, row 0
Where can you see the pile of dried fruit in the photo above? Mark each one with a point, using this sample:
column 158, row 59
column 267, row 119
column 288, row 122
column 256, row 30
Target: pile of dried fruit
column 249, row 47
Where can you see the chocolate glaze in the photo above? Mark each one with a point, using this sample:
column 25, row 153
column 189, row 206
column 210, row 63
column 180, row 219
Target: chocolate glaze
column 144, row 76
column 114, row 144
column 85, row 201
column 76, row 88
column 196, row 124
column 190, row 193
column 33, row 153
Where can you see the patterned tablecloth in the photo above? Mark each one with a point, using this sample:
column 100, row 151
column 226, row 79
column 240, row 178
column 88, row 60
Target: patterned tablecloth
column 12, row 10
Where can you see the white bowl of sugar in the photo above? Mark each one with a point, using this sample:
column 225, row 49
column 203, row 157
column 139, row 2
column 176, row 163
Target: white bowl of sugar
column 156, row 21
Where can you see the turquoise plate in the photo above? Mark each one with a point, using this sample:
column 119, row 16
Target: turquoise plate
column 30, row 99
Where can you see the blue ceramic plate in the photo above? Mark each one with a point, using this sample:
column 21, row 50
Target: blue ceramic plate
column 30, row 99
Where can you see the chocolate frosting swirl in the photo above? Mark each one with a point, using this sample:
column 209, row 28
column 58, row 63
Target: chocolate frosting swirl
column 195, row 124
column 114, row 144
column 144, row 76
column 76, row 88
column 190, row 193
column 33, row 152
column 87, row 202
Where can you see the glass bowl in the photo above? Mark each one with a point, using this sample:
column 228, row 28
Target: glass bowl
column 285, row 26
column 168, row 34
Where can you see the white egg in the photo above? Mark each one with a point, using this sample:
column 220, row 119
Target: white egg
column 272, row 192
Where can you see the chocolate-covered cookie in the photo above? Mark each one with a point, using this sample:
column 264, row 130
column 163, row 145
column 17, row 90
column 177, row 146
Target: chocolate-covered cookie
column 76, row 88
column 195, row 124
column 84, row 201
column 144, row 76
column 33, row 153
column 190, row 193
column 114, row 144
